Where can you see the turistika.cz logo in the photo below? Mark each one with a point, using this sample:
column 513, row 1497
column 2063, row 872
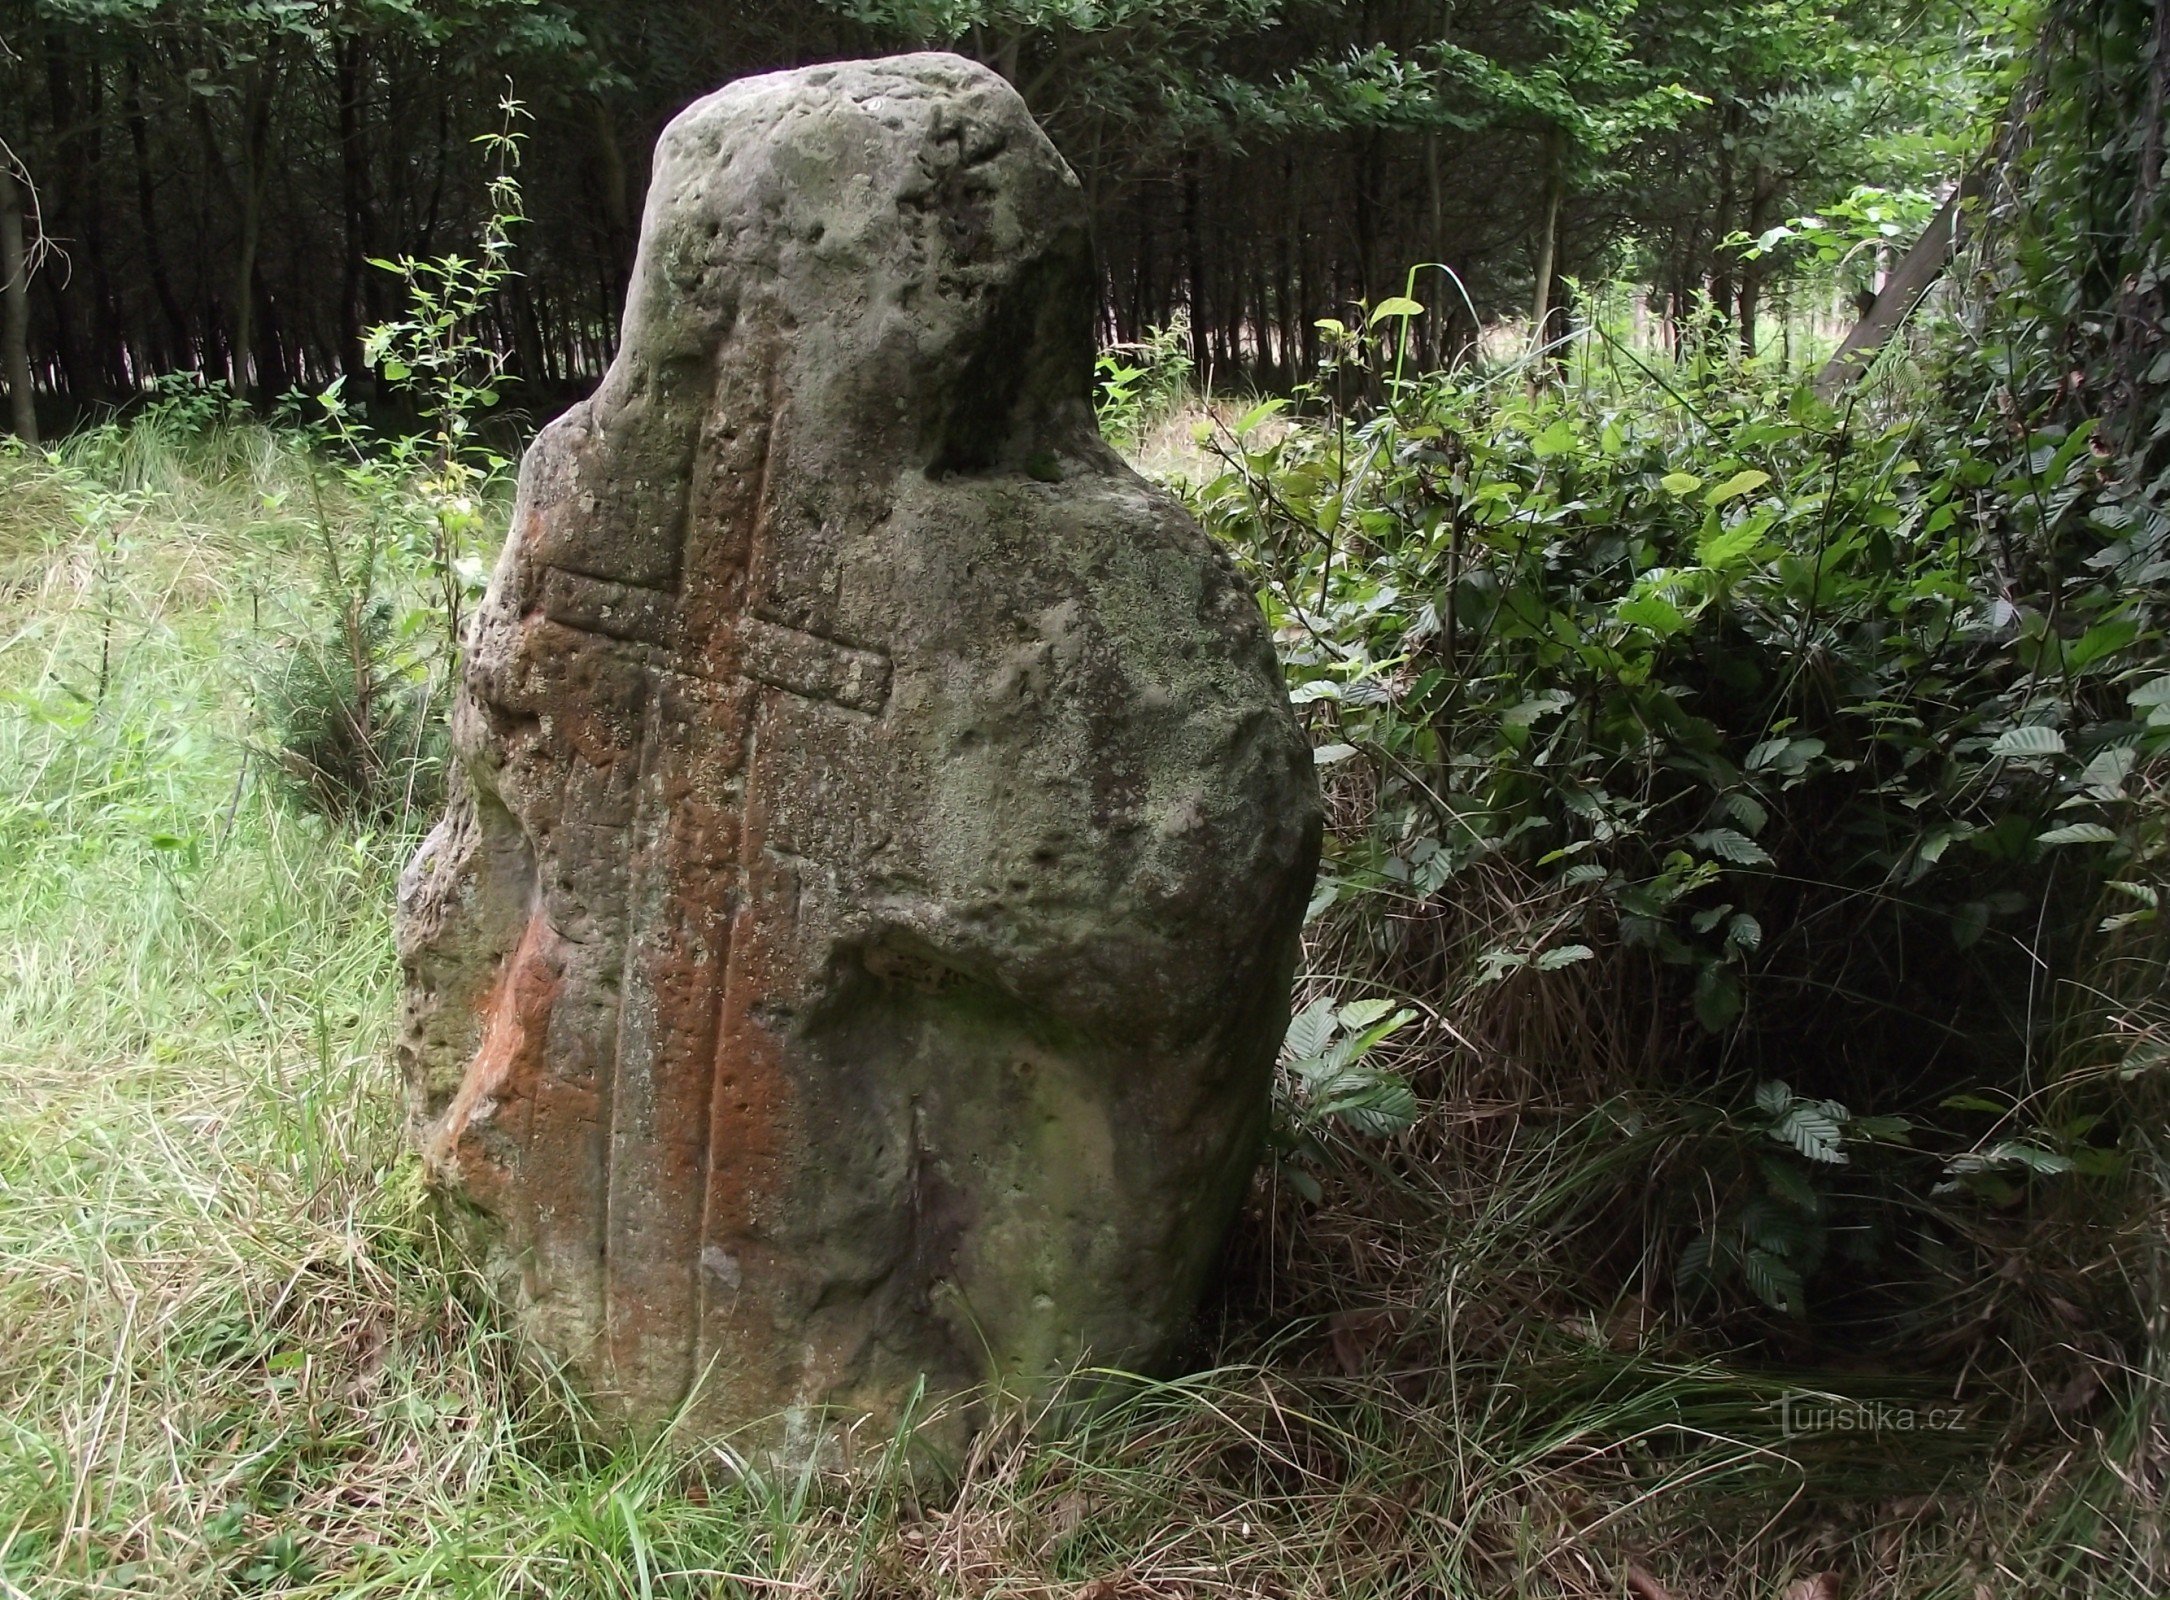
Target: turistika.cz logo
column 1825, row 1413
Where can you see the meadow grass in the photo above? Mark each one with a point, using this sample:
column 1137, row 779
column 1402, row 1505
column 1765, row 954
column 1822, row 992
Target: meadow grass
column 235, row 1357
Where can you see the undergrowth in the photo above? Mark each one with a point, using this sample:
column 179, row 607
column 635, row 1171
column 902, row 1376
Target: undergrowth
column 1752, row 814
column 1456, row 1352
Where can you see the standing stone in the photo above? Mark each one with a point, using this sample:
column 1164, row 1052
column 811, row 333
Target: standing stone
column 857, row 947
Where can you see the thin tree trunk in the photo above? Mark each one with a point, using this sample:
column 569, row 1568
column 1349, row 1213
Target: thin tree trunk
column 1365, row 215
column 428, row 238
column 256, row 132
column 1548, row 245
column 617, row 216
column 2140, row 309
column 154, row 247
column 355, row 207
column 1751, row 287
column 74, row 341
column 1721, row 276
column 1440, row 323
column 1435, row 199
column 1194, row 248
column 15, row 311
column 109, row 330
column 1287, row 311
column 245, row 195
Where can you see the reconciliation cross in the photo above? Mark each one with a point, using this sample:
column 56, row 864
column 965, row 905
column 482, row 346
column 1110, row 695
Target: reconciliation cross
column 689, row 1105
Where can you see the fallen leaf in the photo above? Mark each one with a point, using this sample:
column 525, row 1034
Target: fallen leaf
column 1355, row 1337
column 1823, row 1586
column 1066, row 1516
column 2072, row 1398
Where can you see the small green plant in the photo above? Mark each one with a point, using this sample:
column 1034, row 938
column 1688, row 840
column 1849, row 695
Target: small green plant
column 437, row 354
column 1776, row 1235
column 353, row 699
column 356, row 710
column 191, row 403
column 1328, row 1081
column 1140, row 383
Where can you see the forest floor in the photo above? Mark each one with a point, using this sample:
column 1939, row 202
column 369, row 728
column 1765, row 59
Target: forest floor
column 235, row 1360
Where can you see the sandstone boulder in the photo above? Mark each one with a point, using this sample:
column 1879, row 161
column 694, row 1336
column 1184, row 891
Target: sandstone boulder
column 857, row 946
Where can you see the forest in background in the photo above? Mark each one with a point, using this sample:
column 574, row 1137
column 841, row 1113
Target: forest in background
column 205, row 185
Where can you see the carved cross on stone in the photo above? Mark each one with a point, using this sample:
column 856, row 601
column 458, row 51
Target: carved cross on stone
column 686, row 1104
column 768, row 652
column 856, row 950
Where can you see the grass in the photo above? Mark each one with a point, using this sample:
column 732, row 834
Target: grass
column 236, row 1361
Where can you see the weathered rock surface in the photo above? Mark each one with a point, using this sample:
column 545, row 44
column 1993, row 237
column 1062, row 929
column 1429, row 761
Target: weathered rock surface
column 859, row 941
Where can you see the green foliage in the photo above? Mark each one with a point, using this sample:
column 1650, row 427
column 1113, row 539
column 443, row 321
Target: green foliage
column 355, row 711
column 436, row 353
column 2073, row 243
column 1329, row 1081
column 1784, row 1210
column 353, row 693
column 1841, row 243
column 1256, row 163
column 1141, row 383
column 1790, row 717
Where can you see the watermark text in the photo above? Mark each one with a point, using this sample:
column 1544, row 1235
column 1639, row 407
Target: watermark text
column 1829, row 1413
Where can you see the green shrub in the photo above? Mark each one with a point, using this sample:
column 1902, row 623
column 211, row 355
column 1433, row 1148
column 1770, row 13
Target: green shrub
column 354, row 698
column 1139, row 384
column 355, row 717
column 1785, row 772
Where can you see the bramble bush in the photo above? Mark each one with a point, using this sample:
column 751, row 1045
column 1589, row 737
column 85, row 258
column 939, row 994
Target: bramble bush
column 1807, row 761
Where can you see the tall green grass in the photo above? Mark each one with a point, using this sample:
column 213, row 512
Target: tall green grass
column 235, row 1360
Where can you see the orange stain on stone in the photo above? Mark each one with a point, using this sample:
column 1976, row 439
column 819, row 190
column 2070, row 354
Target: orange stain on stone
column 481, row 1134
column 751, row 1098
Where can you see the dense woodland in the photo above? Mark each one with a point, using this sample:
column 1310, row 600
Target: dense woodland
column 205, row 185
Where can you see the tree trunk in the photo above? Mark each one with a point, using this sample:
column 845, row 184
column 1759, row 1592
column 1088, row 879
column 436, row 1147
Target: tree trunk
column 1194, row 248
column 1548, row 244
column 255, row 174
column 1363, row 180
column 15, row 307
column 1751, row 288
column 1288, row 313
column 617, row 215
column 1439, row 325
column 1912, row 278
column 75, row 350
column 154, row 247
column 356, row 211
column 108, row 326
column 1721, row 275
